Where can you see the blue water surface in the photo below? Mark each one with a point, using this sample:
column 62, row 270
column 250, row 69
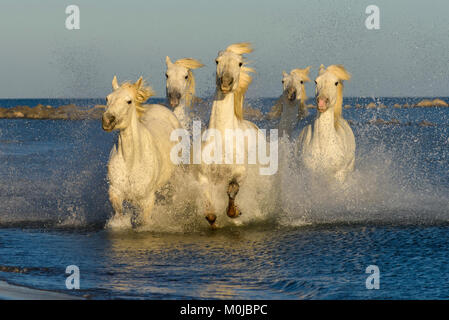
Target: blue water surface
column 54, row 207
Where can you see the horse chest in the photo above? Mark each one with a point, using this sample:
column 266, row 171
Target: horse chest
column 288, row 119
column 133, row 181
column 325, row 150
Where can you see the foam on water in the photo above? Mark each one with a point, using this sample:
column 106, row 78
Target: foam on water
column 401, row 176
column 379, row 190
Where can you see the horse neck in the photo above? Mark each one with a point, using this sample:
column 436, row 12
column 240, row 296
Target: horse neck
column 182, row 113
column 130, row 141
column 328, row 121
column 298, row 107
column 223, row 116
column 303, row 112
column 338, row 106
column 185, row 105
column 324, row 128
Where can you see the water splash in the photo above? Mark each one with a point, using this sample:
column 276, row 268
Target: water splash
column 53, row 175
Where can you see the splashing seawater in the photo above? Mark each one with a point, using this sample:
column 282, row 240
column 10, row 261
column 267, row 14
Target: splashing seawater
column 54, row 175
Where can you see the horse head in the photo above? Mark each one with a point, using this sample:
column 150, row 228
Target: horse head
column 122, row 102
column 180, row 83
column 293, row 84
column 329, row 86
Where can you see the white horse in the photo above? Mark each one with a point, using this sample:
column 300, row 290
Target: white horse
column 180, row 88
column 291, row 104
column 140, row 163
column 328, row 145
column 232, row 81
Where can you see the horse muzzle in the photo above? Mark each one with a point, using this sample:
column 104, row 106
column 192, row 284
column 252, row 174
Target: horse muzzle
column 291, row 94
column 226, row 83
column 174, row 98
column 322, row 103
column 108, row 122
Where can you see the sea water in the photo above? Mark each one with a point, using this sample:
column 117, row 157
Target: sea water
column 315, row 244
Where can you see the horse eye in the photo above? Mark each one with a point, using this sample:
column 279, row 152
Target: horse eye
column 107, row 99
column 316, row 82
column 216, row 61
column 166, row 75
column 128, row 102
column 302, row 82
column 186, row 77
column 282, row 81
column 240, row 64
column 336, row 83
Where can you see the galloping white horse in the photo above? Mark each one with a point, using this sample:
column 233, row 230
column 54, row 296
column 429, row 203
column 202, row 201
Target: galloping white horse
column 328, row 145
column 180, row 87
column 140, row 163
column 291, row 104
column 232, row 81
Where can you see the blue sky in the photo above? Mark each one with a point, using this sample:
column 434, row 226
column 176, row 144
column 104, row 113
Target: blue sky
column 408, row 56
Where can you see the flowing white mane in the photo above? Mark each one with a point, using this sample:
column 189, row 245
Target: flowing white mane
column 142, row 92
column 190, row 64
column 340, row 72
column 244, row 80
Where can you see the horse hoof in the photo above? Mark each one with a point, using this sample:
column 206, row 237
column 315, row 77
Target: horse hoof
column 233, row 211
column 210, row 217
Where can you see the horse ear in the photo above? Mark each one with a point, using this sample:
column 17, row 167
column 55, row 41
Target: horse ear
column 168, row 61
column 284, row 73
column 322, row 69
column 139, row 82
column 115, row 85
column 306, row 72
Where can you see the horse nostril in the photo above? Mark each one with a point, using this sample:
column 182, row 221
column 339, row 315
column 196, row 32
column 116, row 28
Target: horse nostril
column 178, row 95
column 108, row 119
column 227, row 80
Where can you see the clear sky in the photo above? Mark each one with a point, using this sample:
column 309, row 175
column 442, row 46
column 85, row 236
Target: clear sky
column 39, row 57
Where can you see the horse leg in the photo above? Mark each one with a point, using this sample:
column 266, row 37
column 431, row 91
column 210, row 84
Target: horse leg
column 210, row 215
column 233, row 188
column 147, row 206
column 116, row 201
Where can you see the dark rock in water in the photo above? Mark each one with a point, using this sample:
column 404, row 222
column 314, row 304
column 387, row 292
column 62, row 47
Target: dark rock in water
column 96, row 112
column 67, row 112
column 431, row 103
column 38, row 112
column 394, row 121
column 381, row 121
column 252, row 113
column 13, row 269
column 373, row 105
column 426, row 123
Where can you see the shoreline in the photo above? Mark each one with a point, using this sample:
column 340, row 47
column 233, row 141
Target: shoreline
column 15, row 292
column 75, row 112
